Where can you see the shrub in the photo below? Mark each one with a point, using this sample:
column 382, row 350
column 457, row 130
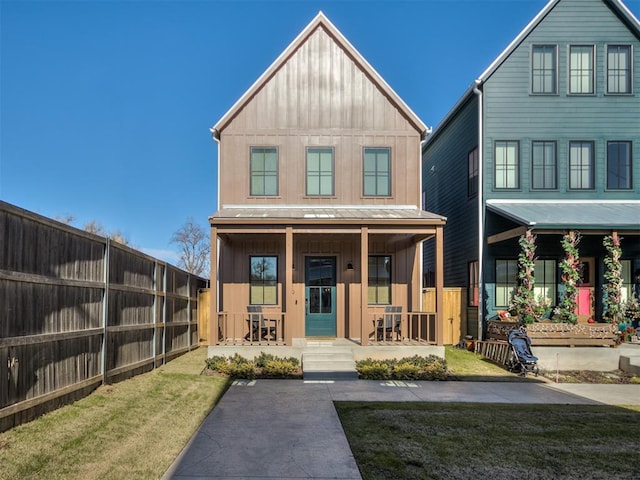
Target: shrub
column 265, row 365
column 280, row 368
column 431, row 367
column 373, row 370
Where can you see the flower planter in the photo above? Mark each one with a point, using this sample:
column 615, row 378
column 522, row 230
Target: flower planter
column 558, row 334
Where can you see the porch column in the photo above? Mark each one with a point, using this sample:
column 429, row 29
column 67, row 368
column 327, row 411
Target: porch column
column 364, row 285
column 213, row 289
column 439, row 286
column 288, row 284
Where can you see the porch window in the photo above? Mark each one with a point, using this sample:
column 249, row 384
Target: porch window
column 507, row 164
column 581, row 165
column 581, row 69
column 619, row 69
column 472, row 179
column 543, row 165
column 619, row 165
column 473, row 292
column 545, row 280
column 543, row 69
column 627, row 280
column 263, row 281
column 320, row 169
column 379, row 280
column 377, row 172
column 264, row 171
column 506, row 280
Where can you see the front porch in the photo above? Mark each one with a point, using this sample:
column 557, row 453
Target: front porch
column 410, row 329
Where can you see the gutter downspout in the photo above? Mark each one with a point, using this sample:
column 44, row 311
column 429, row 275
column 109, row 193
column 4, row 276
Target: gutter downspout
column 423, row 140
column 215, row 134
column 478, row 92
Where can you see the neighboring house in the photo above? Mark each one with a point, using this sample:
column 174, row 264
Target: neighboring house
column 320, row 226
column 548, row 139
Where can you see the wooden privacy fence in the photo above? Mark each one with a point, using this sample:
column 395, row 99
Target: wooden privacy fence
column 77, row 311
column 454, row 312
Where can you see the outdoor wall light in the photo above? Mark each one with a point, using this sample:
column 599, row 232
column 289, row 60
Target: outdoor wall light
column 349, row 266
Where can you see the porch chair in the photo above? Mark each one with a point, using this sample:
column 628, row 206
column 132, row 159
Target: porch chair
column 390, row 323
column 258, row 328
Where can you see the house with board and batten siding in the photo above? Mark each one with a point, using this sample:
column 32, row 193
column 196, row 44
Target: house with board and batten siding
column 547, row 139
column 320, row 229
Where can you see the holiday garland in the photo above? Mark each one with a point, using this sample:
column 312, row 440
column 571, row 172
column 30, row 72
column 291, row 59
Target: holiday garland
column 613, row 278
column 523, row 299
column 570, row 267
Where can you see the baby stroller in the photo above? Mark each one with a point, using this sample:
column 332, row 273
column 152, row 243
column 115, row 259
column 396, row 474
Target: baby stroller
column 521, row 359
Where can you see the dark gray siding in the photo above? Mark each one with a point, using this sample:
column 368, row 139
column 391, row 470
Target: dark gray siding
column 444, row 179
column 511, row 113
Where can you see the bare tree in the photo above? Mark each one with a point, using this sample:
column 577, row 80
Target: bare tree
column 95, row 227
column 67, row 218
column 194, row 247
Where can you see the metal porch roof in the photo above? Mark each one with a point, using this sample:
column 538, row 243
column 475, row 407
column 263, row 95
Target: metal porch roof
column 586, row 214
column 318, row 214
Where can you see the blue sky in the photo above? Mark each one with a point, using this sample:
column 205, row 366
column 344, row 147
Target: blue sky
column 105, row 106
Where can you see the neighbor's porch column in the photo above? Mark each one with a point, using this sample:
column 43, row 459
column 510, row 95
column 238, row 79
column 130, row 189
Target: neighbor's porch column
column 213, row 289
column 288, row 284
column 439, row 285
column 364, row 285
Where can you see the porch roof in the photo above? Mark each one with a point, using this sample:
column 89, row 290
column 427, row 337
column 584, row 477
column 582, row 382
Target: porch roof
column 326, row 215
column 562, row 214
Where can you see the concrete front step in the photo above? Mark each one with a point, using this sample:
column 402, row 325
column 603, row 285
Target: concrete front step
column 328, row 363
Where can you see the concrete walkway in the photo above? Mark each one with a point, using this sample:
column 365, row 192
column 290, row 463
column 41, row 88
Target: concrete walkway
column 289, row 429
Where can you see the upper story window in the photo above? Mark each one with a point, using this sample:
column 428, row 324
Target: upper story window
column 473, row 168
column 619, row 68
column 581, row 165
column 507, row 164
column 543, row 165
column 376, row 171
column 264, row 171
column 544, row 66
column 619, row 165
column 581, row 63
column 320, row 171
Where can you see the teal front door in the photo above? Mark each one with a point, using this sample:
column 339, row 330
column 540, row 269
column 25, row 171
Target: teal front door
column 320, row 297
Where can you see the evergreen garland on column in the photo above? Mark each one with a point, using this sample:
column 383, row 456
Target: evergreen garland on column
column 613, row 278
column 570, row 267
column 523, row 299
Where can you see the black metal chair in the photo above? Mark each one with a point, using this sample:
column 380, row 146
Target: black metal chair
column 390, row 323
column 258, row 325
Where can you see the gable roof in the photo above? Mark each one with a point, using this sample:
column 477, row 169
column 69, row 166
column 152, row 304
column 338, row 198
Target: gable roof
column 320, row 21
column 619, row 8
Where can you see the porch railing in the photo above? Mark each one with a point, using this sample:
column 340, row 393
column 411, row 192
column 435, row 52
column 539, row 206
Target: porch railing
column 398, row 327
column 240, row 328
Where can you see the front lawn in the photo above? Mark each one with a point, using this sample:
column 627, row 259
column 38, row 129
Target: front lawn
column 462, row 441
column 133, row 429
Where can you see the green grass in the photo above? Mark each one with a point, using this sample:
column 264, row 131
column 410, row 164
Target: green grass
column 461, row 441
column 471, row 367
column 132, row 429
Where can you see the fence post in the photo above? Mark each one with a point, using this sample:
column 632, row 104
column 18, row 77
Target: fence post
column 189, row 317
column 154, row 350
column 105, row 311
column 164, row 315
